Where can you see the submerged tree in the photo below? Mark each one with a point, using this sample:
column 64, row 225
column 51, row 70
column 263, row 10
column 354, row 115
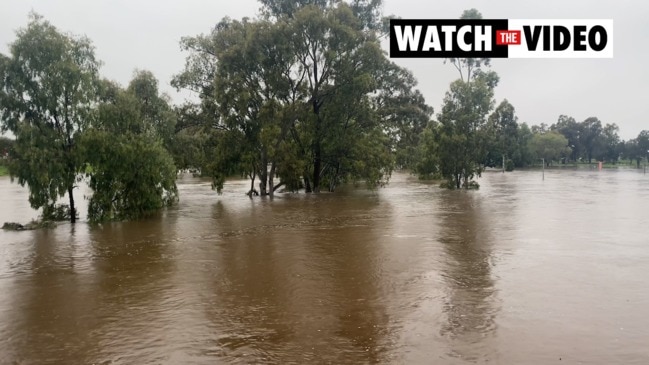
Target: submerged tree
column 502, row 136
column 304, row 94
column 461, row 144
column 131, row 174
column 47, row 91
column 460, row 141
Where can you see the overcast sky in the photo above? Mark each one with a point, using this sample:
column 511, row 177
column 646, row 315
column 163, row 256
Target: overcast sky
column 145, row 34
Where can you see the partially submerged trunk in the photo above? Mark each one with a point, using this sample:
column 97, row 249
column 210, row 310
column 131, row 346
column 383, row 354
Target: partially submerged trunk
column 252, row 191
column 73, row 210
column 271, row 175
column 263, row 174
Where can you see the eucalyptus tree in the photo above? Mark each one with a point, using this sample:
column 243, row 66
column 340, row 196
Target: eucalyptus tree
column 362, row 107
column 643, row 143
column 339, row 55
column 404, row 112
column 248, row 93
column 572, row 130
column 48, row 88
column 305, row 91
column 461, row 142
column 590, row 136
column 130, row 172
column 502, row 135
column 467, row 67
column 610, row 143
column 155, row 107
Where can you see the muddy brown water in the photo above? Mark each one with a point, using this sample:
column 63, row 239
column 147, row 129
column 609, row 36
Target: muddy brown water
column 523, row 271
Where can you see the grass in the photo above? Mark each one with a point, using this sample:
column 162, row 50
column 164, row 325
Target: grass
column 4, row 171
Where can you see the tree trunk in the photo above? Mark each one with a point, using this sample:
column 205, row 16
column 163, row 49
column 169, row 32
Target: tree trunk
column 262, row 185
column 316, row 147
column 271, row 185
column 334, row 179
column 263, row 174
column 73, row 210
column 316, row 167
column 252, row 184
column 307, row 184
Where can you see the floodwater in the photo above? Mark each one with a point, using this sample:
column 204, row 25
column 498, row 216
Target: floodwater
column 523, row 271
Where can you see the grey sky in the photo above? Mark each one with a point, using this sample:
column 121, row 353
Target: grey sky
column 145, row 34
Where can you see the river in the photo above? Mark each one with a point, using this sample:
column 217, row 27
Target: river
column 522, row 271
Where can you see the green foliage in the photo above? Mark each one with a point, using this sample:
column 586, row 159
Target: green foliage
column 47, row 90
column 642, row 146
column 589, row 139
column 637, row 148
column 461, row 142
column 501, row 136
column 467, row 67
column 549, row 146
column 57, row 213
column 158, row 117
column 523, row 156
column 132, row 174
column 570, row 129
column 427, row 158
column 304, row 94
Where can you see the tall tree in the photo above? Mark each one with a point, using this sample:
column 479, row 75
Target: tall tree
column 502, row 135
column 590, row 137
column 253, row 92
column 468, row 66
column 643, row 143
column 572, row 130
column 638, row 148
column 306, row 91
column 609, row 145
column 461, row 145
column 405, row 112
column 156, row 112
column 523, row 157
column 47, row 91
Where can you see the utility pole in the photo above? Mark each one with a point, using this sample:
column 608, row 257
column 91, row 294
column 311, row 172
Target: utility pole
column 543, row 161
